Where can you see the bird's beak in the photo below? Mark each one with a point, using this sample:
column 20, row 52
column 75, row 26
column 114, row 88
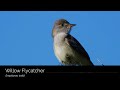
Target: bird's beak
column 71, row 25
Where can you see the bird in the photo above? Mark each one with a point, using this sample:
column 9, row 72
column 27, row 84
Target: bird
column 67, row 49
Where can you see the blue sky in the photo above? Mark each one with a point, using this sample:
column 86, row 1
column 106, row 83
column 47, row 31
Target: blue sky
column 25, row 36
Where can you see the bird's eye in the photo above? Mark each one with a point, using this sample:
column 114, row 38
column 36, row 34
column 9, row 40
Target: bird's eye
column 62, row 25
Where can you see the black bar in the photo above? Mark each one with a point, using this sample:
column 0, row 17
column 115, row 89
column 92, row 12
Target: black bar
column 60, row 6
column 60, row 72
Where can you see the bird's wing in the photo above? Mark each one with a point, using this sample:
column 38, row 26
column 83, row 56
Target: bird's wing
column 71, row 41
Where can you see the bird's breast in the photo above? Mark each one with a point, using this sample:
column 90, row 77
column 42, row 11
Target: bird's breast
column 61, row 51
column 59, row 46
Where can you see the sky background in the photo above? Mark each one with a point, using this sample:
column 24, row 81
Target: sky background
column 25, row 36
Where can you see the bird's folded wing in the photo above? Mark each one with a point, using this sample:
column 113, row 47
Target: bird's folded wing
column 71, row 41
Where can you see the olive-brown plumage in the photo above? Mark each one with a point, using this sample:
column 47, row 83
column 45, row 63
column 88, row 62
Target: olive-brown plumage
column 66, row 48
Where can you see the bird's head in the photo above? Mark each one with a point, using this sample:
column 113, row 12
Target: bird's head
column 62, row 25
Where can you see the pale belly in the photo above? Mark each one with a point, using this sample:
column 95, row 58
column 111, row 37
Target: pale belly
column 61, row 53
column 74, row 58
column 66, row 54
